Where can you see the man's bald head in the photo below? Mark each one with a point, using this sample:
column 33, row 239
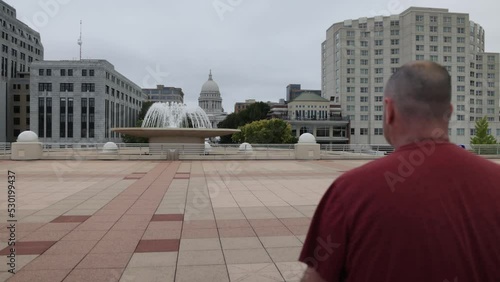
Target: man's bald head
column 421, row 90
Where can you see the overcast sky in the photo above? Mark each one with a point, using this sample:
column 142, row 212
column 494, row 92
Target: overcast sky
column 255, row 48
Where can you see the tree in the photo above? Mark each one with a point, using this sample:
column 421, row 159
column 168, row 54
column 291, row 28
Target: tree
column 142, row 114
column 268, row 131
column 482, row 137
column 254, row 112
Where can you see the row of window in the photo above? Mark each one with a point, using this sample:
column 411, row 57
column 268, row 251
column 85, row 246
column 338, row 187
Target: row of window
column 434, row 19
column 364, row 131
column 123, row 84
column 364, row 99
column 66, row 87
column 65, row 72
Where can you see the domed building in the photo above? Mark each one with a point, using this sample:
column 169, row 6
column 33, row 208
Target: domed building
column 211, row 101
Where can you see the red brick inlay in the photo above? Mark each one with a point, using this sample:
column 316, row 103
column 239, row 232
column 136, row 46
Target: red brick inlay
column 168, row 217
column 153, row 246
column 135, row 175
column 71, row 218
column 29, row 248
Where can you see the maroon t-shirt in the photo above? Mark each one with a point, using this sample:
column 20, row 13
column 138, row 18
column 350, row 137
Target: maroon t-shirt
column 428, row 213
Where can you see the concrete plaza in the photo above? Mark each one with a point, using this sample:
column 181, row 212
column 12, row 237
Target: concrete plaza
column 161, row 221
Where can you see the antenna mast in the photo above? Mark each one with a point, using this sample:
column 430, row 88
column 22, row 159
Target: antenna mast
column 80, row 42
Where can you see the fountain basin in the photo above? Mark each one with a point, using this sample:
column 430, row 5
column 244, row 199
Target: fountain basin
column 176, row 135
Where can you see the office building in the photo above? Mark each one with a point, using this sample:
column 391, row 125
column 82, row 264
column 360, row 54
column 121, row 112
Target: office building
column 359, row 56
column 21, row 46
column 164, row 94
column 81, row 101
column 18, row 114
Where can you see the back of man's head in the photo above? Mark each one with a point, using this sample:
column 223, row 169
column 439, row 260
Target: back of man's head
column 421, row 90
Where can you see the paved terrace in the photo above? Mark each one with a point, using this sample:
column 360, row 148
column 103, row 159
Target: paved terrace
column 162, row 221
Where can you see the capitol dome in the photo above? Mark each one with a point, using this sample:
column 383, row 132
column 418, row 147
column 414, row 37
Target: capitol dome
column 210, row 86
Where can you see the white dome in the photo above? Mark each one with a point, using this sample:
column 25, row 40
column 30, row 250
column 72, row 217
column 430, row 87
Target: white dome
column 307, row 138
column 245, row 147
column 210, row 86
column 110, row 147
column 27, row 137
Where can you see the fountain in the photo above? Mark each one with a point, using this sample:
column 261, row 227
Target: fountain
column 177, row 124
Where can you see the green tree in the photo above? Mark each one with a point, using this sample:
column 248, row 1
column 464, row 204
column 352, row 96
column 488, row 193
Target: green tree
column 268, row 131
column 254, row 112
column 142, row 114
column 483, row 138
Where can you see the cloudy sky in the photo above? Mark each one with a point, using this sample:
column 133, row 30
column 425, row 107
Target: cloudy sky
column 255, row 48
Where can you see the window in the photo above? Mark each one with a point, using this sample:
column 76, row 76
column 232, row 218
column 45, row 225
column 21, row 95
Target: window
column 63, row 72
column 41, row 72
column 394, row 51
column 420, row 47
column 70, row 72
column 379, row 98
column 447, row 39
column 461, row 78
column 363, row 99
column 351, row 61
column 447, row 29
column 84, row 72
column 419, row 18
column 364, row 52
column 379, row 42
column 460, row 30
column 363, row 131
column 350, row 108
column 362, row 25
column 66, row 87
column 350, row 52
column 491, row 84
column 350, row 98
column 419, row 37
column 460, row 88
column 395, row 32
column 364, row 71
column 433, row 38
column 379, row 61
column 461, row 50
column 364, row 108
column 379, row 80
column 350, row 89
column 363, row 89
column 433, row 29
column 91, row 72
column 379, row 24
column 461, row 69
column 460, row 20
column 461, row 108
column 88, row 87
column 17, row 109
column 491, row 75
column 419, row 28
column 379, row 70
column 364, row 43
column 460, row 59
column 17, row 121
column 48, row 72
column 378, row 117
column 364, row 117
column 434, row 58
column 379, row 33
column 350, row 33
column 379, row 131
column 446, row 48
column 460, row 117
column 379, row 51
column 460, row 131
column 379, row 108
column 447, row 59
column 353, row 131
column 460, row 39
column 433, row 19
column 379, row 89
column 363, row 62
column 433, row 48
column 364, row 80
column 394, row 41
column 491, row 93
column 45, row 87
column 350, row 80
column 394, row 23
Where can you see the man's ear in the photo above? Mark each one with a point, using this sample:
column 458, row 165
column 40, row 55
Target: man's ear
column 389, row 110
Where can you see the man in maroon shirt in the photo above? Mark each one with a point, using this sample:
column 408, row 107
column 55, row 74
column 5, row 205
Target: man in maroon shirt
column 429, row 212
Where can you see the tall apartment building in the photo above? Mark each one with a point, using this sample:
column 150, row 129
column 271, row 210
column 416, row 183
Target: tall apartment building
column 21, row 46
column 164, row 94
column 81, row 101
column 359, row 56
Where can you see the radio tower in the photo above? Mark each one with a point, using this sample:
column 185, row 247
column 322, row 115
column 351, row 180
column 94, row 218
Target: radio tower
column 80, row 42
